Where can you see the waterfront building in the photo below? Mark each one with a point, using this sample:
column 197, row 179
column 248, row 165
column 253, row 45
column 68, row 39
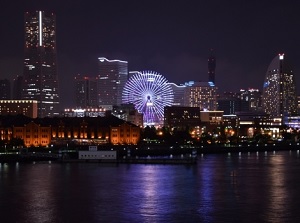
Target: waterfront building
column 181, row 118
column 112, row 77
column 252, row 123
column 14, row 107
column 230, row 124
column 40, row 69
column 211, row 120
column 33, row 134
column 201, row 94
column 85, row 91
column 68, row 130
column 124, row 134
column 5, row 89
column 279, row 89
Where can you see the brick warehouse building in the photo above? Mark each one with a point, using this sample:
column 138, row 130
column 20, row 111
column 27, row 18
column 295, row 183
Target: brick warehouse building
column 64, row 130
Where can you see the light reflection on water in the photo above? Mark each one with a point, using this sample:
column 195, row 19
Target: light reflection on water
column 236, row 187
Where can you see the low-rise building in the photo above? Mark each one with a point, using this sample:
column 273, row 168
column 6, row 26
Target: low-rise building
column 33, row 134
column 97, row 155
column 65, row 130
column 180, row 117
column 13, row 107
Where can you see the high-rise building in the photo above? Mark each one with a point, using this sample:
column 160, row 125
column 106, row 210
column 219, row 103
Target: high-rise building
column 211, row 67
column 5, row 89
column 279, row 89
column 112, row 77
column 201, row 94
column 86, row 94
column 40, row 71
column 178, row 91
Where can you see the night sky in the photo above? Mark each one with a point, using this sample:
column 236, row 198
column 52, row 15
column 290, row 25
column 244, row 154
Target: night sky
column 173, row 38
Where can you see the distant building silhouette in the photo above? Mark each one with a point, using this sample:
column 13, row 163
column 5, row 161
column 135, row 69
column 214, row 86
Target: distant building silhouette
column 17, row 87
column 211, row 67
column 40, row 71
column 86, row 91
column 5, row 89
column 231, row 102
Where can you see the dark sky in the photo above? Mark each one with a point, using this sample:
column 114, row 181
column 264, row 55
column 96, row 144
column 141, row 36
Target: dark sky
column 172, row 38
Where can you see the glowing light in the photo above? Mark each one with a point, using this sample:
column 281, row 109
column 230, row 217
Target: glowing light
column 281, row 56
column 40, row 28
column 150, row 93
column 102, row 59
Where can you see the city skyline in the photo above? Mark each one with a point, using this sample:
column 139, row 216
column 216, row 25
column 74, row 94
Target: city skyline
column 173, row 39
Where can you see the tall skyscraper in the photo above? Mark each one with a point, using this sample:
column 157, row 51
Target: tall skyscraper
column 112, row 77
column 40, row 71
column 86, row 94
column 279, row 89
column 211, row 67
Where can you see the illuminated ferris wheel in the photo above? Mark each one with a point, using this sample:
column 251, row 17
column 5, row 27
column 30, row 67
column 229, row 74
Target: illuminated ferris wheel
column 150, row 93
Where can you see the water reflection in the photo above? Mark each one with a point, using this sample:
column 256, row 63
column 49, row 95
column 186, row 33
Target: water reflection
column 38, row 194
column 278, row 195
column 242, row 187
column 205, row 186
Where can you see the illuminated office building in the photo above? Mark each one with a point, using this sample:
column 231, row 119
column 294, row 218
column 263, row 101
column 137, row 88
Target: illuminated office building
column 40, row 71
column 201, row 94
column 112, row 77
column 279, row 89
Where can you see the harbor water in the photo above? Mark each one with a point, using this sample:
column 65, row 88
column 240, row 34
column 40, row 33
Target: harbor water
column 231, row 187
